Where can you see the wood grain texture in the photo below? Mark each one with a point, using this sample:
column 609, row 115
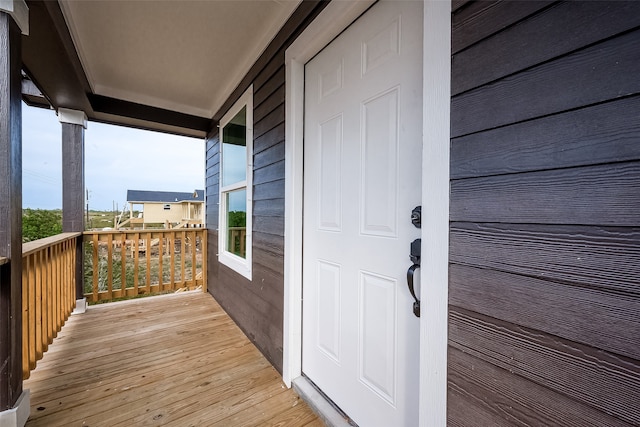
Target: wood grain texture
column 592, row 75
column 265, row 91
column 268, row 122
column 269, row 207
column 47, row 49
column 273, row 137
column 601, row 258
column 603, row 133
column 480, row 19
column 269, row 225
column 269, row 190
column 596, row 195
column 270, row 242
column 269, row 156
column 272, row 262
column 73, row 187
column 273, row 101
column 494, row 396
column 545, row 240
column 600, row 379
column 199, row 370
column 553, row 32
column 246, row 302
column 10, row 213
column 272, row 172
column 269, row 78
column 592, row 317
column 457, row 4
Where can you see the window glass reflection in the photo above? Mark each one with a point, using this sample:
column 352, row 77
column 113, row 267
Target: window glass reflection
column 234, row 149
column 236, row 203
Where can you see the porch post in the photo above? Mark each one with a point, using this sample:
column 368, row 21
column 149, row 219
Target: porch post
column 73, row 125
column 14, row 401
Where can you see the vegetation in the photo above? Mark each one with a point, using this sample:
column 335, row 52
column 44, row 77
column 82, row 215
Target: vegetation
column 126, row 256
column 237, row 219
column 39, row 223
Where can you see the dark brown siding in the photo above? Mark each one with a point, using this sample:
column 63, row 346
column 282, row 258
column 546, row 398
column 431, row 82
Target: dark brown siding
column 544, row 290
column 257, row 305
column 10, row 214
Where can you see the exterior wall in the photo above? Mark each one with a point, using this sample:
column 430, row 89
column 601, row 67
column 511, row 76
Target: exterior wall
column 257, row 305
column 155, row 213
column 191, row 211
column 10, row 214
column 544, row 292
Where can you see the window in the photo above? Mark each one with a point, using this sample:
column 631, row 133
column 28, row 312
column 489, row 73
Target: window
column 167, row 207
column 236, row 171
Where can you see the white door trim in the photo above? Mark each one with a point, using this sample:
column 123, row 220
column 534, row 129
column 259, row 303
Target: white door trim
column 435, row 194
column 434, row 292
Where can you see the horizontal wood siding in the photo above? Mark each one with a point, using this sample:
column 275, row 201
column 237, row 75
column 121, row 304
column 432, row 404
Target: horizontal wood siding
column 257, row 305
column 544, row 290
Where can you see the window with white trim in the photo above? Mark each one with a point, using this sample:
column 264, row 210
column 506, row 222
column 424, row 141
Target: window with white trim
column 236, row 172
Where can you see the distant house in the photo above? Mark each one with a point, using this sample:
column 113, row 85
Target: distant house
column 173, row 209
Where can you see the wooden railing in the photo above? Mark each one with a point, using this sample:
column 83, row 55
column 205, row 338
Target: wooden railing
column 237, row 241
column 129, row 263
column 48, row 293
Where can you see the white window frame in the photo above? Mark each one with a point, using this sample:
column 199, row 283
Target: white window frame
column 241, row 265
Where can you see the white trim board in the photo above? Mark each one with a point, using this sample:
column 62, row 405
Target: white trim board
column 434, row 289
column 337, row 16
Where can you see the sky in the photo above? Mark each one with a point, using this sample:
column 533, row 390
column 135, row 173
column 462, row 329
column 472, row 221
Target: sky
column 117, row 159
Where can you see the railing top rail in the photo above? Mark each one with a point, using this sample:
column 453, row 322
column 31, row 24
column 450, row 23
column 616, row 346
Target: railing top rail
column 30, row 247
column 3, row 260
column 143, row 231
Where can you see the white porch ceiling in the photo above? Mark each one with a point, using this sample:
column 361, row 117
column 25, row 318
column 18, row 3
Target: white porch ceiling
column 179, row 55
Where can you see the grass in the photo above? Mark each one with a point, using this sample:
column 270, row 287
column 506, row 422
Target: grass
column 130, row 271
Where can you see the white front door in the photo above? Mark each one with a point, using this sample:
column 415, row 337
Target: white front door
column 362, row 174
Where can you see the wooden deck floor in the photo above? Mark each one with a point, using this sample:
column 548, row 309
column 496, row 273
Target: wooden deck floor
column 175, row 360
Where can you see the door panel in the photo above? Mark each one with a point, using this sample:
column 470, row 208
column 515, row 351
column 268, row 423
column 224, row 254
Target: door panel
column 362, row 175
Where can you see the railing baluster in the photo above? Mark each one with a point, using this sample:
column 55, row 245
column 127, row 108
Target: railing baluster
column 194, row 259
column 25, row 318
column 110, row 265
column 160, row 258
column 144, row 241
column 64, row 276
column 147, row 255
column 203, row 236
column 55, row 287
column 183, row 253
column 123, row 262
column 136, row 260
column 31, row 265
column 39, row 256
column 172, row 246
column 96, row 268
column 48, row 293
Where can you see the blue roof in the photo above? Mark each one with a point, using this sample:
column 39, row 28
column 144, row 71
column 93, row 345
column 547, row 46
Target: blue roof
column 164, row 196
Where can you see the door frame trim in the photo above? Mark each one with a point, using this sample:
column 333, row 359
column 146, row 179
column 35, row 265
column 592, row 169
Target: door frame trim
column 336, row 17
column 434, row 279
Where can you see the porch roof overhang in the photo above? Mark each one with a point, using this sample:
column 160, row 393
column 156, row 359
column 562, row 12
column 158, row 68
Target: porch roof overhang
column 165, row 66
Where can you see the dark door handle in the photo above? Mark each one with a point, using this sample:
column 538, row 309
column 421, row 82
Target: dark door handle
column 416, row 304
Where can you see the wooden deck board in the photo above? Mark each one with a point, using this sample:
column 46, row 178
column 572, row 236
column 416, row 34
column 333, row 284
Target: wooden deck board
column 169, row 360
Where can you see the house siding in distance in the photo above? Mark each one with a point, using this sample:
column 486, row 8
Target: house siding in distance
column 544, row 292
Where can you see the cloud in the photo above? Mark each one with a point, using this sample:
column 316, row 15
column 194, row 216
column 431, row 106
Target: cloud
column 116, row 159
